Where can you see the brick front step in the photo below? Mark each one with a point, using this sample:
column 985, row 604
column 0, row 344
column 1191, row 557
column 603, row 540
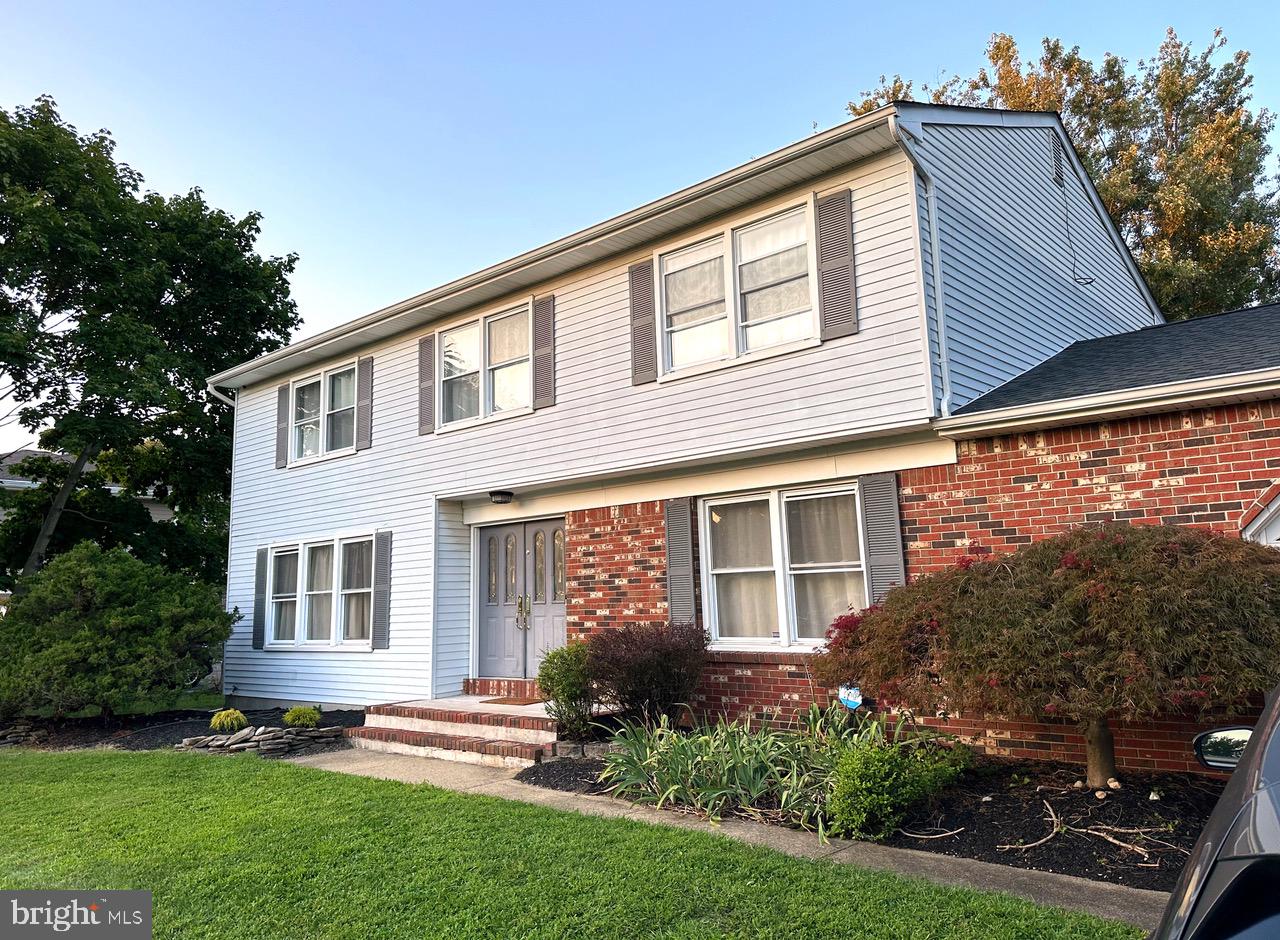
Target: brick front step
column 467, row 750
column 501, row 688
column 464, row 723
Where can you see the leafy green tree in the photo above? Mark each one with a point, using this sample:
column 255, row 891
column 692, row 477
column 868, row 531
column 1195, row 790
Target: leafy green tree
column 1177, row 154
column 101, row 628
column 1114, row 622
column 115, row 305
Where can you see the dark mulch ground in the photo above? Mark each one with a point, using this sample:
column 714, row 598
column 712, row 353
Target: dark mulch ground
column 163, row 730
column 573, row 775
column 1002, row 802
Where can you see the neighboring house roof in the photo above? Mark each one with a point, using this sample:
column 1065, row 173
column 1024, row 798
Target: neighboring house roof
column 1228, row 356
column 13, row 480
column 875, row 132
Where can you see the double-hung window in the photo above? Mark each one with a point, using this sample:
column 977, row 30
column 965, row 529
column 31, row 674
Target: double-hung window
column 748, row 289
column 780, row 566
column 322, row 593
column 324, row 413
column 485, row 367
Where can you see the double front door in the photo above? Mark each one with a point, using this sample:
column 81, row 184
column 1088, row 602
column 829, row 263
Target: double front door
column 522, row 590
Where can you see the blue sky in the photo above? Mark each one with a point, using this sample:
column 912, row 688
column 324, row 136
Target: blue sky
column 395, row 146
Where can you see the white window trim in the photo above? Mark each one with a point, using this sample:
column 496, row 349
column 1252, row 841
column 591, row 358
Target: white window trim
column 782, row 568
column 323, row 378
column 335, row 643
column 486, row 413
column 737, row 354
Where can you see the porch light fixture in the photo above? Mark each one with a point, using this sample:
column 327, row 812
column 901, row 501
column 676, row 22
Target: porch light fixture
column 501, row 497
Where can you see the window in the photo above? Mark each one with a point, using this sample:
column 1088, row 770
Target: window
column 324, row 413
column 485, row 367
column 321, row 593
column 781, row 565
column 766, row 269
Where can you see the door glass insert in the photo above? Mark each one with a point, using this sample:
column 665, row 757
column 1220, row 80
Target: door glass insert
column 557, row 565
column 492, row 592
column 509, row 590
column 540, row 566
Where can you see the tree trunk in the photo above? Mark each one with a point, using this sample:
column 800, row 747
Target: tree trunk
column 1099, row 752
column 60, row 500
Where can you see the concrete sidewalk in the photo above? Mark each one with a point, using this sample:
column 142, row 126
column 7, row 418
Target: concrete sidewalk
column 1133, row 905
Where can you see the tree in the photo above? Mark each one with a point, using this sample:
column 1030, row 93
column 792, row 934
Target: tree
column 114, row 307
column 1177, row 155
column 1115, row 622
column 101, row 628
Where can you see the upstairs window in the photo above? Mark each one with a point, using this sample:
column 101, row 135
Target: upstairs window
column 485, row 367
column 324, row 413
column 748, row 289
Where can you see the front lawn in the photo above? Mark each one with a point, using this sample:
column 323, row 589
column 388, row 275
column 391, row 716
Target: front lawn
column 242, row 847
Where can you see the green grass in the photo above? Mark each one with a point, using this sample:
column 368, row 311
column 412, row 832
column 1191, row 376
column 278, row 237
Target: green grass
column 243, row 847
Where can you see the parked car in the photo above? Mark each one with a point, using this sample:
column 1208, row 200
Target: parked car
column 1229, row 888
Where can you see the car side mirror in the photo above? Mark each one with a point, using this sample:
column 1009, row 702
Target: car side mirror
column 1221, row 748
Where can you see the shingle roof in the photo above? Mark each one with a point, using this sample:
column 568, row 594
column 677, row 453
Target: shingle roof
column 1221, row 344
column 11, row 460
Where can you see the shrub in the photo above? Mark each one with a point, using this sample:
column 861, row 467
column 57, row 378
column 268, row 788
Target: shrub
column 101, row 628
column 875, row 785
column 782, row 775
column 564, row 680
column 1111, row 622
column 228, row 721
column 302, row 716
column 649, row 670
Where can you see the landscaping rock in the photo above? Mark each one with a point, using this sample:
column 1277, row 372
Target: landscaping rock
column 244, row 734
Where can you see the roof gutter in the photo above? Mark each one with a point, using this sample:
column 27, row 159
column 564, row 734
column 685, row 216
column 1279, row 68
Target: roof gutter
column 905, row 139
column 212, row 390
column 587, row 237
column 1171, row 396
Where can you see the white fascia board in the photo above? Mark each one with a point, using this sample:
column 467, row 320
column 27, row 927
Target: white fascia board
column 1171, row 396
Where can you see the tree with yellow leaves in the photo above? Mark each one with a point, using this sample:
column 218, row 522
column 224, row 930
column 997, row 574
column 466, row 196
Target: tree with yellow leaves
column 1176, row 152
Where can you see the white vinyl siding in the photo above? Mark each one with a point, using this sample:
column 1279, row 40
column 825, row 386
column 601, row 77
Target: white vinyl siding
column 601, row 427
column 1010, row 296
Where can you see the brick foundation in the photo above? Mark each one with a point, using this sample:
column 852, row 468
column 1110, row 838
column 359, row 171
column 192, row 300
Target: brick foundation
column 1215, row 467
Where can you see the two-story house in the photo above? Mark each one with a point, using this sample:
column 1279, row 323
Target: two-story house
column 739, row 404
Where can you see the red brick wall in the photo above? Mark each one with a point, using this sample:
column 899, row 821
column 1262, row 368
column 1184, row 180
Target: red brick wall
column 1204, row 467
column 615, row 567
column 766, row 686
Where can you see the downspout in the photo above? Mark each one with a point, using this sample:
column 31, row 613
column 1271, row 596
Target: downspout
column 903, row 138
column 226, row 589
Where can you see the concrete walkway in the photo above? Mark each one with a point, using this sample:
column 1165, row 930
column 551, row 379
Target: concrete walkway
column 1114, row 902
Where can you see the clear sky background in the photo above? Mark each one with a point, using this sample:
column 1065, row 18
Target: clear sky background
column 397, row 145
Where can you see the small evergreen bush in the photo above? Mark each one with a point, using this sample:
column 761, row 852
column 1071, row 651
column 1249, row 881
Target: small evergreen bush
column 874, row 786
column 302, row 716
column 564, row 680
column 228, row 721
column 649, row 669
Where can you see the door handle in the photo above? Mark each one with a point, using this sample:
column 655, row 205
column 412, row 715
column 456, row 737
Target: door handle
column 522, row 612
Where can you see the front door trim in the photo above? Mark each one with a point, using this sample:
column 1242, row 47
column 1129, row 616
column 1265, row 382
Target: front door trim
column 477, row 587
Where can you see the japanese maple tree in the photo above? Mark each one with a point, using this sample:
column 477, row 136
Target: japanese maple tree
column 1115, row 622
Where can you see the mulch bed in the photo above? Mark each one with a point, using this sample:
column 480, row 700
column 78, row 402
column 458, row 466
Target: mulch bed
column 162, row 730
column 1000, row 802
column 572, row 776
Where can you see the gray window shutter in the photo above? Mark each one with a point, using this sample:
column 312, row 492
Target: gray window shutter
column 260, row 600
column 644, row 338
column 680, row 592
column 427, row 384
column 837, row 298
column 381, row 590
column 364, row 403
column 282, row 426
column 544, row 351
column 886, row 568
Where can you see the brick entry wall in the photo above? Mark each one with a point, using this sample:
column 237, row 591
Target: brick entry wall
column 1214, row 467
